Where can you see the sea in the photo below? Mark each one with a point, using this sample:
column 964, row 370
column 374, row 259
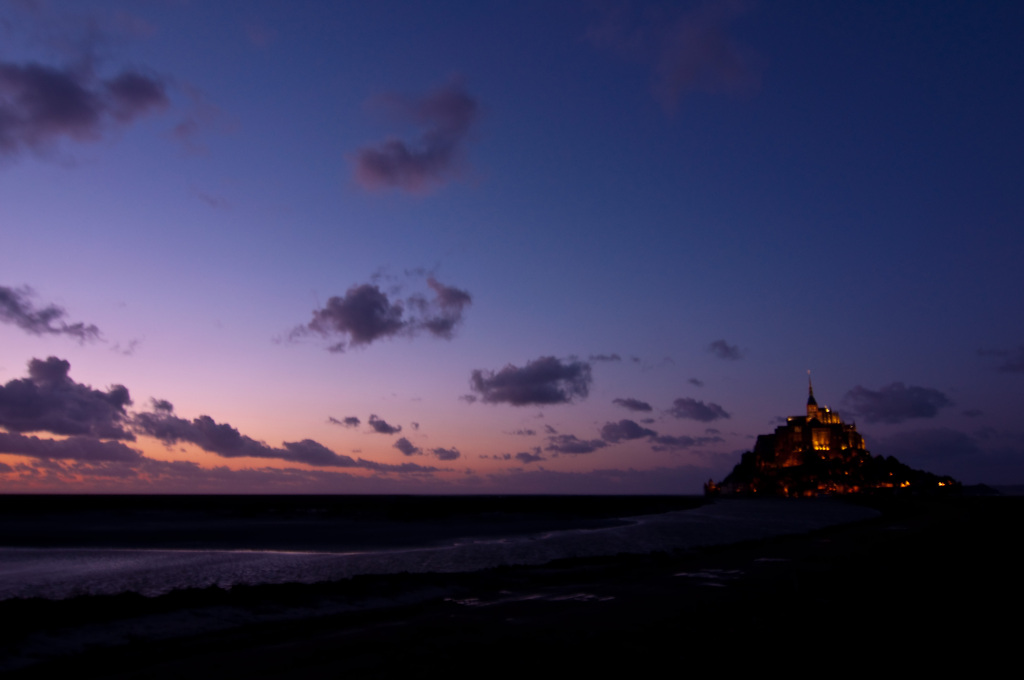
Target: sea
column 59, row 547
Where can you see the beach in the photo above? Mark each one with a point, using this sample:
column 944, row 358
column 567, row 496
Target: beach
column 913, row 573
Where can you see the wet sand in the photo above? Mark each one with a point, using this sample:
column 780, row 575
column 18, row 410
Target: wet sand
column 926, row 586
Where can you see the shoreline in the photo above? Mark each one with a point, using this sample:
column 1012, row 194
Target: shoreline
column 473, row 541
column 919, row 565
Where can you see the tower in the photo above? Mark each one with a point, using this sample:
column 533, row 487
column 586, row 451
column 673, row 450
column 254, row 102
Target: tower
column 812, row 405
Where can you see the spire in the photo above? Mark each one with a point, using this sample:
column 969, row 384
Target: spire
column 810, row 390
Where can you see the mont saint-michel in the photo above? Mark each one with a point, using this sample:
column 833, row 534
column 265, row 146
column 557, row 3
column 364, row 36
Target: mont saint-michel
column 819, row 454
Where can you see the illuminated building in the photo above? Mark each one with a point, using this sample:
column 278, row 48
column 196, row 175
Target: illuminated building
column 818, row 454
column 820, row 435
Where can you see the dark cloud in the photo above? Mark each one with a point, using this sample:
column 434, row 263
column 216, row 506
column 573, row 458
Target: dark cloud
column 697, row 410
column 225, row 441
column 496, row 456
column 366, row 314
column 669, row 443
column 526, row 457
column 568, row 443
column 16, row 308
column 973, row 413
column 446, row 454
column 723, row 350
column 625, row 429
column 446, row 117
column 349, row 421
column 689, row 50
column 938, row 444
column 951, row 452
column 632, row 404
column 133, row 95
column 382, row 427
column 542, row 381
column 407, row 447
column 72, row 448
column 895, row 403
column 1012, row 360
column 524, row 433
column 604, row 357
column 696, row 382
column 49, row 401
column 161, row 405
column 445, row 313
column 40, row 104
column 187, row 477
column 468, row 398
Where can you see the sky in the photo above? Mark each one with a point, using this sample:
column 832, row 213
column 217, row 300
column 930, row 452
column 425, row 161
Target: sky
column 502, row 247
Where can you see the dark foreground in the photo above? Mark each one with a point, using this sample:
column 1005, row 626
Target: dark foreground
column 932, row 584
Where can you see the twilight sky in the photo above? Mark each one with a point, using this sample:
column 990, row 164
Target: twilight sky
column 503, row 247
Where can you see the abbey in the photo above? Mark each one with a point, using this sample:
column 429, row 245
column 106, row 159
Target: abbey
column 820, row 435
column 818, row 454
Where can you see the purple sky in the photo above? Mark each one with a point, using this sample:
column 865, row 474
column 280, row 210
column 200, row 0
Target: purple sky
column 502, row 247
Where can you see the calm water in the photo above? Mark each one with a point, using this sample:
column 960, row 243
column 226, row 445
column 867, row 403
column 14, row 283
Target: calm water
column 75, row 551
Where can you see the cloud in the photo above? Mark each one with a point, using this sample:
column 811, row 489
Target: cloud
column 689, row 50
column 442, row 316
column 542, row 381
column 623, row 430
column 128, row 349
column 669, row 443
column 133, row 94
column 16, row 308
column 604, row 357
column 407, row 447
column 49, row 401
column 225, row 441
column 895, row 403
column 446, row 454
column 697, row 410
column 698, row 54
column 568, row 443
column 525, row 457
column 366, row 314
column 72, row 448
column 382, row 427
column 632, row 404
column 446, row 116
column 723, row 350
column 696, row 382
column 40, row 104
column 349, row 421
column 951, row 452
column 1012, row 360
column 938, row 444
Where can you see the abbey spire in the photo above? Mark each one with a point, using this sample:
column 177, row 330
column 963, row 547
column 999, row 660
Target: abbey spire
column 812, row 405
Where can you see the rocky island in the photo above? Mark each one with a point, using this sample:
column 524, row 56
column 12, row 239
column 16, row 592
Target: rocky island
column 818, row 454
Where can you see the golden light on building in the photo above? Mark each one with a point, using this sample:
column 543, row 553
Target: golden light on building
column 819, row 454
